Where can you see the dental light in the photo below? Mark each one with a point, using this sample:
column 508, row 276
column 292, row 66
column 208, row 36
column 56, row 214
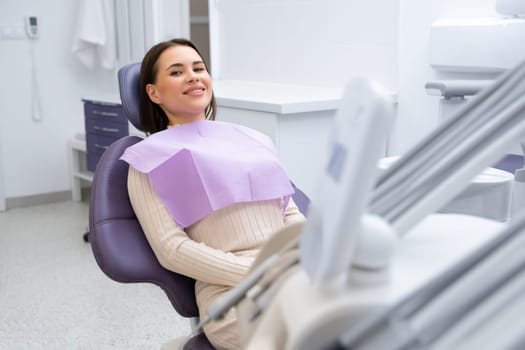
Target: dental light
column 437, row 168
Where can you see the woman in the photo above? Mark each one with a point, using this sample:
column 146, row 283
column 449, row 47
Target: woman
column 210, row 220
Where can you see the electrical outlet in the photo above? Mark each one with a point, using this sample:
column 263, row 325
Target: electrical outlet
column 12, row 32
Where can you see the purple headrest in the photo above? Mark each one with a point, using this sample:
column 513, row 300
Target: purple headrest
column 129, row 86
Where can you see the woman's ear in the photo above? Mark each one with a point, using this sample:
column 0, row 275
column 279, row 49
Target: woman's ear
column 152, row 93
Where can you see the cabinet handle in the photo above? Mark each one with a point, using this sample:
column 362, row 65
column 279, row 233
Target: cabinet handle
column 105, row 114
column 98, row 128
column 101, row 146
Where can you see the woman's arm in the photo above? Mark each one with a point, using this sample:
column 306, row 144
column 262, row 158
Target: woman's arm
column 172, row 246
column 292, row 213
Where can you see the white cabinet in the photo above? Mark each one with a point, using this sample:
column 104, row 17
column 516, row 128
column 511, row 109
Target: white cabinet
column 298, row 118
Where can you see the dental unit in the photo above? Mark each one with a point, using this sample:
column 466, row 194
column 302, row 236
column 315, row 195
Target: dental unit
column 350, row 248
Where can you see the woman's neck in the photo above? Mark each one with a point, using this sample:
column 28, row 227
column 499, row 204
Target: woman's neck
column 175, row 121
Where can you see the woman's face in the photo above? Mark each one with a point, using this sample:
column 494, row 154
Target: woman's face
column 183, row 85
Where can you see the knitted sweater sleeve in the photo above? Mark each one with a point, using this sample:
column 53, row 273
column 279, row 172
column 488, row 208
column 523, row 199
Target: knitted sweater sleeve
column 172, row 246
column 292, row 213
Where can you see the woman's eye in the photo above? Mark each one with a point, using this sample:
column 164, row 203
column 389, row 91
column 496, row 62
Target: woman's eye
column 176, row 73
column 199, row 69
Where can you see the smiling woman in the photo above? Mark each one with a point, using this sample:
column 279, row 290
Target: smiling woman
column 208, row 194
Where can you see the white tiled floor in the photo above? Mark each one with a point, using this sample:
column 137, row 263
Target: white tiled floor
column 54, row 296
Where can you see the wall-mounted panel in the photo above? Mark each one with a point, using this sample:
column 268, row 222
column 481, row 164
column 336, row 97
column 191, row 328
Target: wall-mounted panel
column 481, row 45
column 319, row 42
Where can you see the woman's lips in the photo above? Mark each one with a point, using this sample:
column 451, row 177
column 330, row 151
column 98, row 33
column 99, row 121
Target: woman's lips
column 194, row 91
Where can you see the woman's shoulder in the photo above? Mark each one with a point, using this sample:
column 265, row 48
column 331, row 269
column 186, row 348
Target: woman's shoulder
column 149, row 152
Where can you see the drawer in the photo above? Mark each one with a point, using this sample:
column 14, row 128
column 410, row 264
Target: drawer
column 104, row 112
column 95, row 147
column 104, row 124
column 106, row 128
column 98, row 143
column 92, row 161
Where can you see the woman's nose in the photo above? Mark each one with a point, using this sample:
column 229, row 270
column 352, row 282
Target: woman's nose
column 192, row 77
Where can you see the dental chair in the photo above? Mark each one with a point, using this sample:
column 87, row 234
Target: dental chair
column 117, row 240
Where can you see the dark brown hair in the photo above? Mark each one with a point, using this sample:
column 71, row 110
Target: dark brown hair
column 152, row 117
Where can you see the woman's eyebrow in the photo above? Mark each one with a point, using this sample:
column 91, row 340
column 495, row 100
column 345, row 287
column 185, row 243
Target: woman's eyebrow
column 174, row 65
column 181, row 65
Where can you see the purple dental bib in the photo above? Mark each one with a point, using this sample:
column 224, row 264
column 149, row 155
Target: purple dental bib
column 203, row 166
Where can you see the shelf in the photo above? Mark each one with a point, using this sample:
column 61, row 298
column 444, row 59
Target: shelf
column 84, row 175
column 78, row 144
column 77, row 171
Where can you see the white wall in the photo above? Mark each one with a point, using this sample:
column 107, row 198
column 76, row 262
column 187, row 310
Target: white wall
column 418, row 112
column 317, row 42
column 34, row 155
column 324, row 42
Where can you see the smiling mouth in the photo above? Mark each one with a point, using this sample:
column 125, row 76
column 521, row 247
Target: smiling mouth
column 196, row 91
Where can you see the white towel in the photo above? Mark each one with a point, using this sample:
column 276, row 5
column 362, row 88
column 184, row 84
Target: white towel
column 94, row 41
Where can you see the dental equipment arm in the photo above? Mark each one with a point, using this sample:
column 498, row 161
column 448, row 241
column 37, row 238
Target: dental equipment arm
column 420, row 183
column 331, row 233
column 482, row 131
column 459, row 89
column 219, row 308
column 437, row 168
column 456, row 88
column 490, row 278
column 423, row 180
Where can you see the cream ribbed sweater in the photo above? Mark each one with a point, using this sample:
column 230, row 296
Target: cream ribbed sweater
column 217, row 251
